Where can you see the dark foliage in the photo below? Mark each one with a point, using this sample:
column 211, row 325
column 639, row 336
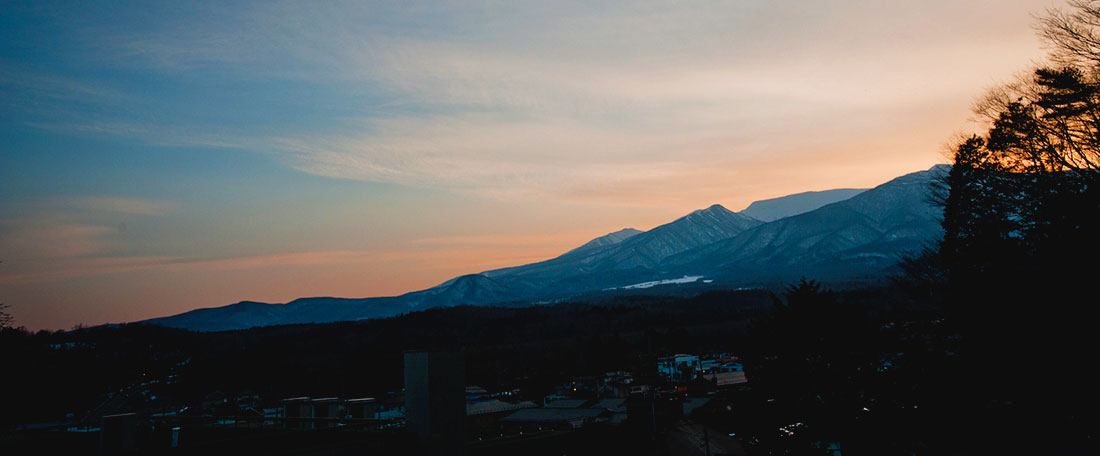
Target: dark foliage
column 845, row 369
column 533, row 348
column 1021, row 225
column 6, row 320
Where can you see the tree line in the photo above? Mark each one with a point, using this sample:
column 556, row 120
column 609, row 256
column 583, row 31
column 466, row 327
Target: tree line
column 1021, row 221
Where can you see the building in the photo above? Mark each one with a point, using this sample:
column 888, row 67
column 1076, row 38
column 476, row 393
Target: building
column 486, row 412
column 679, row 368
column 298, row 412
column 615, row 384
column 565, row 403
column 615, row 407
column 710, row 365
column 558, row 418
column 726, row 378
column 474, row 392
column 118, row 433
column 214, row 402
column 327, row 411
column 363, row 408
column 435, row 400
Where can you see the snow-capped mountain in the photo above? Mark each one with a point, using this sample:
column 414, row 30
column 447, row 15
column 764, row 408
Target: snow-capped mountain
column 696, row 229
column 855, row 239
column 606, row 240
column 770, row 210
column 863, row 235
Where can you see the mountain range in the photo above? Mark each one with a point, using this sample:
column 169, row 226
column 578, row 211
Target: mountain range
column 843, row 236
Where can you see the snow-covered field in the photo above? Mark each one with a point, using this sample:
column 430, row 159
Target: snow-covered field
column 684, row 279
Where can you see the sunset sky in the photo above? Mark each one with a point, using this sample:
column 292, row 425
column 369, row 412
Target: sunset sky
column 160, row 158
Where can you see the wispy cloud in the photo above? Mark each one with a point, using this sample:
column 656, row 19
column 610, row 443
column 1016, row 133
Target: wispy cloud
column 123, row 205
column 37, row 83
column 155, row 134
column 613, row 101
column 70, row 227
column 602, row 106
column 70, row 263
column 63, row 239
column 23, row 240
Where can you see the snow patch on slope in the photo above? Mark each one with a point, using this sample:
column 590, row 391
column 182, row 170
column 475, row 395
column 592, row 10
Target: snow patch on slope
column 638, row 286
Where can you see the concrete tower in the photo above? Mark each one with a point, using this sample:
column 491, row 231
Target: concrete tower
column 435, row 400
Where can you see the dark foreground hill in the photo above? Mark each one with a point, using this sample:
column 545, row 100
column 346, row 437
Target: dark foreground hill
column 820, row 365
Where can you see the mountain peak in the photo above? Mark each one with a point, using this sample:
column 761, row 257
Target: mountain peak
column 698, row 228
column 716, row 214
column 714, row 208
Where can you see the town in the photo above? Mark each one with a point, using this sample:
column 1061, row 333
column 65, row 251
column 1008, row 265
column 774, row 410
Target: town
column 664, row 400
column 730, row 372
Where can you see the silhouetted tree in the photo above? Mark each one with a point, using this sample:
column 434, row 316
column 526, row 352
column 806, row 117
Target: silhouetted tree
column 6, row 320
column 808, row 354
column 921, row 278
column 1020, row 227
column 1072, row 35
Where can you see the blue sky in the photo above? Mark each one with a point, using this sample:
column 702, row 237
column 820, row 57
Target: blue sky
column 163, row 156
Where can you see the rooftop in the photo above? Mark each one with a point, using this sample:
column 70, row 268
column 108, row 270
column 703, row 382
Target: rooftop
column 551, row 415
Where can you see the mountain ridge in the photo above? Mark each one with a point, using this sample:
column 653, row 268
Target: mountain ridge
column 858, row 238
column 772, row 209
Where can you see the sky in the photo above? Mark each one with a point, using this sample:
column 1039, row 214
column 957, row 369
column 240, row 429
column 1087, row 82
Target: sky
column 157, row 157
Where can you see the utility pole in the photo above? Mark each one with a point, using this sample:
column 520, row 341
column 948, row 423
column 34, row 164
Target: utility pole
column 652, row 391
column 706, row 441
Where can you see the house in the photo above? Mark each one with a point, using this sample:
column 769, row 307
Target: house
column 679, row 368
column 475, row 392
column 487, row 411
column 615, row 407
column 729, row 378
column 327, row 411
column 248, row 399
column 362, row 408
column 214, row 402
column 565, row 403
column 298, row 412
column 495, row 406
column 561, row 418
column 615, row 384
